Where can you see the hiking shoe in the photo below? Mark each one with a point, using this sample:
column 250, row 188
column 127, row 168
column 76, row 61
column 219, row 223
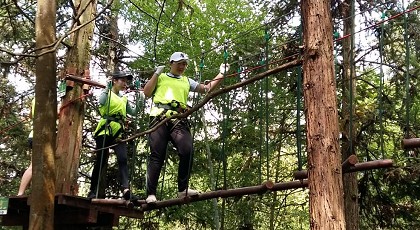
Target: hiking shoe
column 91, row 195
column 190, row 192
column 151, row 199
column 128, row 196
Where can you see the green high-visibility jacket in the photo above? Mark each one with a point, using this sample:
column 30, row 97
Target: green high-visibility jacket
column 170, row 89
column 117, row 112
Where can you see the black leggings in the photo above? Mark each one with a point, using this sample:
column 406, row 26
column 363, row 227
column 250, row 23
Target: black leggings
column 120, row 151
column 179, row 134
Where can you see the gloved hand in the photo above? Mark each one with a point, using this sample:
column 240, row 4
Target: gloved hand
column 109, row 85
column 224, row 68
column 159, row 70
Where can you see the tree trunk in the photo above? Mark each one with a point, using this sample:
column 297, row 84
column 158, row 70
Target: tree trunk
column 348, row 132
column 112, row 59
column 324, row 158
column 216, row 219
column 110, row 65
column 69, row 135
column 43, row 180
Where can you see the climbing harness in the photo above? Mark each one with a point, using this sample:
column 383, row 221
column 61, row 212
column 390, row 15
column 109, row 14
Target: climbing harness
column 112, row 118
column 170, row 109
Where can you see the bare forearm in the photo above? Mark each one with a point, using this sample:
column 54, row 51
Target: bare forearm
column 215, row 82
column 150, row 85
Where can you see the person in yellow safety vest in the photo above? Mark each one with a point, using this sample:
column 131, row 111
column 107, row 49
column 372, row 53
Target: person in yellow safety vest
column 170, row 93
column 113, row 108
column 27, row 175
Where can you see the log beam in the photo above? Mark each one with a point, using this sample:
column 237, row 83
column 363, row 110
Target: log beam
column 410, row 143
column 259, row 189
column 119, row 202
column 378, row 164
column 84, row 81
column 349, row 162
column 349, row 167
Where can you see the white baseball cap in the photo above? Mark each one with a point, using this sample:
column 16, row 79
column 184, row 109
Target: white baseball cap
column 178, row 56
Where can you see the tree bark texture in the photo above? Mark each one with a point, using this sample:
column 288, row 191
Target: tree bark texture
column 69, row 137
column 347, row 124
column 326, row 201
column 44, row 139
column 112, row 58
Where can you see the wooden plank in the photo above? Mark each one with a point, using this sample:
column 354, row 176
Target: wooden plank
column 83, row 202
column 70, row 211
column 17, row 212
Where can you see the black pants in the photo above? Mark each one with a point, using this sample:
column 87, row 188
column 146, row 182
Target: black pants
column 178, row 132
column 103, row 155
column 30, row 142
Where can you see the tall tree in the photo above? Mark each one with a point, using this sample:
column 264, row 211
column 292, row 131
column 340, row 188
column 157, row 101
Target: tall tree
column 324, row 158
column 42, row 202
column 347, row 122
column 69, row 135
column 109, row 29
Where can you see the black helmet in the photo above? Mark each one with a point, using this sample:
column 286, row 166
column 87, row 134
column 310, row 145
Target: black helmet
column 120, row 74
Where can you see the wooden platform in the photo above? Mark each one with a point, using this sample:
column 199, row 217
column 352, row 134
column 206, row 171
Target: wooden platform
column 70, row 211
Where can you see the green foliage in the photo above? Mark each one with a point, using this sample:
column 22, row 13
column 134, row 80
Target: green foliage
column 15, row 126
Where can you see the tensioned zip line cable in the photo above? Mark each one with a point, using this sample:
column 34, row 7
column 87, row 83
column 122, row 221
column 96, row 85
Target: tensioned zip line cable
column 380, row 22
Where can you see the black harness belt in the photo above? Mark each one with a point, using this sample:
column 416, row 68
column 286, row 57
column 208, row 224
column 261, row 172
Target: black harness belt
column 116, row 118
column 174, row 106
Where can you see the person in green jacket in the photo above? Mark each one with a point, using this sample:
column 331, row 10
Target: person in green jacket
column 113, row 108
column 170, row 93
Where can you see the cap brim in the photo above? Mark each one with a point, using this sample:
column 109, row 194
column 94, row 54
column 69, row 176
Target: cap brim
column 129, row 77
column 187, row 60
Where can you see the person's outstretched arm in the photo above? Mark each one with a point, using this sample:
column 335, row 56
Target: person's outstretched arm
column 211, row 85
